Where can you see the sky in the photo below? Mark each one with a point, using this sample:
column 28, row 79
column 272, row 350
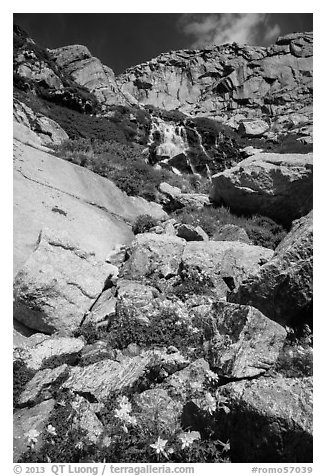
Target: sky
column 121, row 40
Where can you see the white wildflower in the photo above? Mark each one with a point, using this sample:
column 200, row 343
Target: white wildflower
column 79, row 445
column 188, row 438
column 159, row 446
column 75, row 406
column 211, row 376
column 196, row 386
column 209, row 403
column 51, row 430
column 32, row 436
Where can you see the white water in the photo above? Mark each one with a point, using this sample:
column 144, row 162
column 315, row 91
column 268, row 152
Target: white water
column 169, row 140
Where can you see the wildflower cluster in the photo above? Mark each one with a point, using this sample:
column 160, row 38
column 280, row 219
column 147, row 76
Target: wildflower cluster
column 123, row 413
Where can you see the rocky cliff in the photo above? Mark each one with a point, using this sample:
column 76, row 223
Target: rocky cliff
column 230, row 82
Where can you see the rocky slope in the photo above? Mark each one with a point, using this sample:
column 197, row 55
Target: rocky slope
column 180, row 343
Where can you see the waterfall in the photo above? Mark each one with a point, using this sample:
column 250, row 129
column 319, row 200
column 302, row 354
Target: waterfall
column 200, row 143
column 168, row 140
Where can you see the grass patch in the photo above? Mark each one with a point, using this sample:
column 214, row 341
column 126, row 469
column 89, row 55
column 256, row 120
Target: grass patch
column 262, row 231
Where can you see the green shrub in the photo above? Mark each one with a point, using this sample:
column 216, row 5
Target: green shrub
column 262, row 231
column 21, row 375
column 90, row 332
column 194, row 284
column 295, row 360
column 143, row 224
column 165, row 329
column 69, row 444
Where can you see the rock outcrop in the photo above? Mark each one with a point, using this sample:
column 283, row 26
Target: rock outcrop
column 58, row 349
column 53, row 193
column 48, row 131
column 275, row 185
column 152, row 254
column 218, row 80
column 246, row 343
column 270, row 420
column 57, row 284
column 282, row 289
column 225, row 263
column 76, row 62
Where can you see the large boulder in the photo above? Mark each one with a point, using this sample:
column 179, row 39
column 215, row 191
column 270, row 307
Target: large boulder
column 38, row 388
column 49, row 132
column 173, row 198
column 270, row 420
column 253, row 128
column 58, row 284
column 245, row 342
column 153, row 254
column 192, row 233
column 49, row 349
column 274, row 185
column 231, row 232
column 225, row 263
column 107, row 376
column 282, row 289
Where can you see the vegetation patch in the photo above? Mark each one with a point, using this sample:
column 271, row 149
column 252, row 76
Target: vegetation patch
column 296, row 356
column 143, row 224
column 21, row 375
column 262, row 231
column 165, row 329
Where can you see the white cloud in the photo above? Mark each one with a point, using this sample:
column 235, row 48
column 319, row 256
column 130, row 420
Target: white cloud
column 219, row 28
column 272, row 33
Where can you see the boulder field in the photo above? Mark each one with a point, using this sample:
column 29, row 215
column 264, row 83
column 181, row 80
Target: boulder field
column 173, row 334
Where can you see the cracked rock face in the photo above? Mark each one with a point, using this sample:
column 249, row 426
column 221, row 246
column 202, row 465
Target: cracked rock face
column 49, row 132
column 226, row 263
column 270, row 420
column 218, row 78
column 283, row 288
column 57, row 285
column 274, row 185
column 77, row 63
column 246, row 342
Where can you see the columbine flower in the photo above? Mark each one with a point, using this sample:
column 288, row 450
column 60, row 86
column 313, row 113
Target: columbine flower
column 209, row 403
column 225, row 446
column 124, row 403
column 51, row 430
column 122, row 413
column 79, row 445
column 211, row 376
column 196, row 386
column 32, row 436
column 75, row 406
column 159, row 446
column 187, row 439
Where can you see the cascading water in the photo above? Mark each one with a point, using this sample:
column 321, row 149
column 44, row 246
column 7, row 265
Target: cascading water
column 166, row 141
